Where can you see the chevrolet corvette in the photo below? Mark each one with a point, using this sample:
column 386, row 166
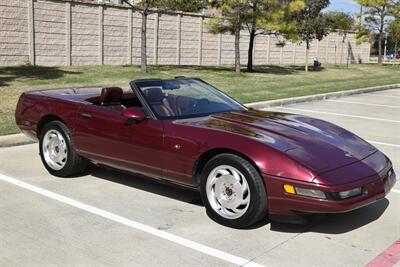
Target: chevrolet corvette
column 246, row 163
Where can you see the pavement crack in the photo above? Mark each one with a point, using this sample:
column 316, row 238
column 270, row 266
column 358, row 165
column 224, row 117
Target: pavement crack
column 305, row 229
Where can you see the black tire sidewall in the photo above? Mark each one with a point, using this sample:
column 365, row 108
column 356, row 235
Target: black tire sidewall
column 258, row 197
column 70, row 165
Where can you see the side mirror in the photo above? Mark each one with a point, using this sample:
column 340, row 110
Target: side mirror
column 134, row 115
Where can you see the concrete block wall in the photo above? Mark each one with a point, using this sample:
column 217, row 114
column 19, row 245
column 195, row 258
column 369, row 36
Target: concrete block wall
column 135, row 36
column 14, row 41
column 85, row 35
column 75, row 32
column 115, row 35
column 168, row 46
column 191, row 34
column 50, row 33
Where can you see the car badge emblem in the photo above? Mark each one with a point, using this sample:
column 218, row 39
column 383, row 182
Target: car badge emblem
column 177, row 146
column 348, row 154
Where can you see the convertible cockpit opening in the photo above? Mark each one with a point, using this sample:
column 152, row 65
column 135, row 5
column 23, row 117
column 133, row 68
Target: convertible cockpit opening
column 184, row 98
column 116, row 99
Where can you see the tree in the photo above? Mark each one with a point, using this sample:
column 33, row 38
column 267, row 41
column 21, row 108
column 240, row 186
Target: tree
column 394, row 33
column 143, row 7
column 269, row 17
column 311, row 24
column 343, row 23
column 146, row 7
column 257, row 16
column 182, row 5
column 235, row 13
column 376, row 16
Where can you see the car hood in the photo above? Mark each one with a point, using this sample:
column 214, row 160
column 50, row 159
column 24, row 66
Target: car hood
column 316, row 144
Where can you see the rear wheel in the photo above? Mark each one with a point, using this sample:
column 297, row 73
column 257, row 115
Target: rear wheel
column 233, row 191
column 57, row 151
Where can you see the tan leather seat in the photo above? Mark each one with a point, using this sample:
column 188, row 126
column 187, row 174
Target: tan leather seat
column 111, row 97
column 159, row 102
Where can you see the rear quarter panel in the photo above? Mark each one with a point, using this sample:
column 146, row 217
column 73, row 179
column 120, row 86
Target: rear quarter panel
column 32, row 109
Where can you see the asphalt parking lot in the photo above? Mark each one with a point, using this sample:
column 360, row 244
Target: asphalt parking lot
column 107, row 218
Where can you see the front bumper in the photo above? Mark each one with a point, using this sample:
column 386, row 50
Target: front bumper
column 284, row 204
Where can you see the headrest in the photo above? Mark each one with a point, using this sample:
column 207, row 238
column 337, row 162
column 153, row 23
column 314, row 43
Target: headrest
column 154, row 95
column 111, row 96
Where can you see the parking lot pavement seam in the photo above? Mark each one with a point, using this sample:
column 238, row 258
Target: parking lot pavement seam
column 387, row 96
column 361, row 103
column 304, row 230
column 133, row 224
column 339, row 114
column 317, row 97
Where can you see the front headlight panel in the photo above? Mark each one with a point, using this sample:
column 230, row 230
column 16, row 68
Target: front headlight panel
column 310, row 193
column 351, row 193
column 318, row 194
column 294, row 190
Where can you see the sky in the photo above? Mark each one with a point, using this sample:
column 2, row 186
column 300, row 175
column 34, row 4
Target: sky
column 344, row 5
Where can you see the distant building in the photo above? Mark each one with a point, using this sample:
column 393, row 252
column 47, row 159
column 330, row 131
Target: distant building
column 117, row 1
column 212, row 12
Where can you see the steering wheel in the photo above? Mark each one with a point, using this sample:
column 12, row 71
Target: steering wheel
column 201, row 102
column 192, row 105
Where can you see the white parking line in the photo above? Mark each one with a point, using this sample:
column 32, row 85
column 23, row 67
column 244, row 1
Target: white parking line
column 136, row 225
column 361, row 103
column 339, row 114
column 389, row 96
column 383, row 144
column 395, row 191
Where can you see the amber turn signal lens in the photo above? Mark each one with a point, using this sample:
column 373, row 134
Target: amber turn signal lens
column 289, row 189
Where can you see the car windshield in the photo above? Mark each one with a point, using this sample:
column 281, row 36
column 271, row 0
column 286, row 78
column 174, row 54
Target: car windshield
column 185, row 98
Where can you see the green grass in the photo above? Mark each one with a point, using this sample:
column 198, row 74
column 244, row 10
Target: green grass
column 268, row 82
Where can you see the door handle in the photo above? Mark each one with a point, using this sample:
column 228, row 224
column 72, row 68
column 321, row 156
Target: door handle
column 86, row 115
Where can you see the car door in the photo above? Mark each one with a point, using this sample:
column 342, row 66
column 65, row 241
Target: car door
column 181, row 149
column 104, row 136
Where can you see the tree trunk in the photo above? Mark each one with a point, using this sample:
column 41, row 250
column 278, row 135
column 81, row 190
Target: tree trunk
column 341, row 50
column 143, row 51
column 380, row 39
column 307, row 52
column 348, row 49
column 250, row 51
column 237, row 46
column 380, row 59
column 251, row 40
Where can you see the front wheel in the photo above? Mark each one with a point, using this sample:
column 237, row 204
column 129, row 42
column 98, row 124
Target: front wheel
column 233, row 191
column 57, row 151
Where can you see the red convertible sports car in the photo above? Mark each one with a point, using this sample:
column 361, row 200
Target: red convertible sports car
column 246, row 163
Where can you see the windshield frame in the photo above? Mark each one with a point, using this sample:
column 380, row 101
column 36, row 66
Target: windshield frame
column 151, row 113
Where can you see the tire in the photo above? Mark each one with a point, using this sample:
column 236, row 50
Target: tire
column 233, row 191
column 57, row 151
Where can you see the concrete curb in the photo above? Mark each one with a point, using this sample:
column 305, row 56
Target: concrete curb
column 20, row 139
column 310, row 98
column 15, row 140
